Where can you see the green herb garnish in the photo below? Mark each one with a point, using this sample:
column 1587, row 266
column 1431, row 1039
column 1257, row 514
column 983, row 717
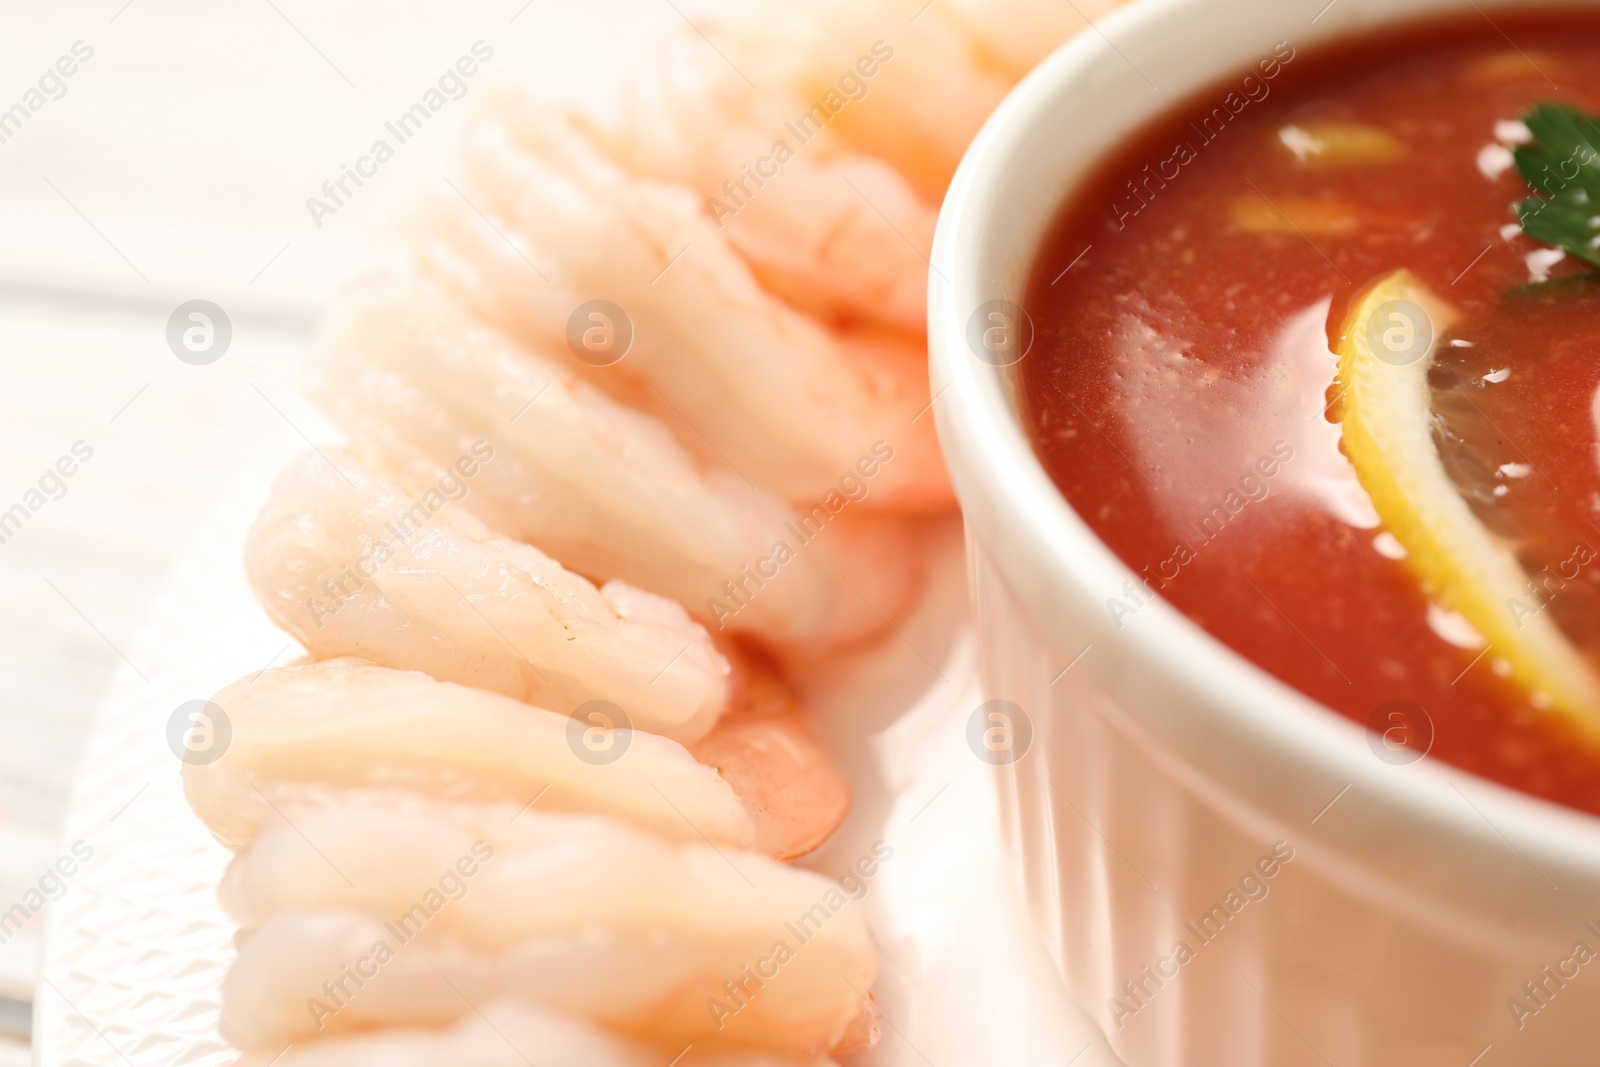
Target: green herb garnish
column 1563, row 165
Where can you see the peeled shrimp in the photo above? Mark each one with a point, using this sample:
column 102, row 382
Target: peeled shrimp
column 678, row 943
column 352, row 565
column 467, row 252
column 604, row 489
column 764, row 748
column 927, row 96
column 788, row 403
column 522, row 291
column 831, row 229
column 509, row 1033
column 302, row 736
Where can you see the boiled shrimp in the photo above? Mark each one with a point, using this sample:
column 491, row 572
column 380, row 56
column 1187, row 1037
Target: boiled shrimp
column 351, row 564
column 302, row 736
column 829, row 228
column 764, row 780
column 924, row 101
column 679, row 943
column 765, row 750
column 790, row 404
column 602, row 488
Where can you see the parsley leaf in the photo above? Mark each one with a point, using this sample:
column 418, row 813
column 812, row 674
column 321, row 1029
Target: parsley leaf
column 1563, row 164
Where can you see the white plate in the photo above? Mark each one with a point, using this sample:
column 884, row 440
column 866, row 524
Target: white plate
column 137, row 947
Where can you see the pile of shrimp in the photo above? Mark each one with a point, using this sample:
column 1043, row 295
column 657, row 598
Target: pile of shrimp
column 643, row 420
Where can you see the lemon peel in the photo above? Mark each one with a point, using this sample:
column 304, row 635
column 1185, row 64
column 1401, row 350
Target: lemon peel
column 1340, row 144
column 1387, row 347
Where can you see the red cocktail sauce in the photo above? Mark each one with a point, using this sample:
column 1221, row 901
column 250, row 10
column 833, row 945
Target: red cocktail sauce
column 1178, row 389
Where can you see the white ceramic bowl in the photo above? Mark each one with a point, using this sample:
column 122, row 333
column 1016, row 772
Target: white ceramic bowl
column 1163, row 767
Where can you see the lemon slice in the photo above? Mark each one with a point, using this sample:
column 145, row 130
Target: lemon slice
column 1384, row 356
